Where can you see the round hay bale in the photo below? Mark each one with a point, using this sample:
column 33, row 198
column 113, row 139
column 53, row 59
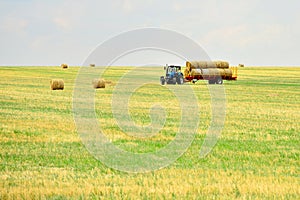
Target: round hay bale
column 210, row 64
column 228, row 73
column 98, row 83
column 108, row 82
column 206, row 64
column 57, row 84
column 186, row 72
column 203, row 64
column 64, row 66
column 241, row 65
column 196, row 72
column 199, row 64
column 222, row 64
column 92, row 65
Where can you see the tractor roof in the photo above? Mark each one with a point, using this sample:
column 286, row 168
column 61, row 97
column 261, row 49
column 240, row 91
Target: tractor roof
column 172, row 66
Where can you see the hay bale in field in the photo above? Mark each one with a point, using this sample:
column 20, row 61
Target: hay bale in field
column 241, row 65
column 98, row 83
column 57, row 84
column 92, row 65
column 64, row 66
column 108, row 82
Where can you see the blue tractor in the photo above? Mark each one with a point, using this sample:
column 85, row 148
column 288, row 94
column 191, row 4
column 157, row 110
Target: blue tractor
column 173, row 75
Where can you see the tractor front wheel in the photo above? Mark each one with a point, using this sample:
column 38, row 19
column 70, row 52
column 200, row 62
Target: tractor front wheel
column 180, row 80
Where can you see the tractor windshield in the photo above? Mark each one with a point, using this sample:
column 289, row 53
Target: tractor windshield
column 171, row 69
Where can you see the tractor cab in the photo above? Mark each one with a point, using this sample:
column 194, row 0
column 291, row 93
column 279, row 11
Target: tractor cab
column 172, row 70
column 173, row 75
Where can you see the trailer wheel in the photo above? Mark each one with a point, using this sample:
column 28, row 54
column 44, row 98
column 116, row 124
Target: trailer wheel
column 211, row 81
column 162, row 80
column 219, row 81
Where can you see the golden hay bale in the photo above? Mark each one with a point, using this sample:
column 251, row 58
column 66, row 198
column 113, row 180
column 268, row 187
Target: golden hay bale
column 92, row 65
column 108, row 82
column 206, row 64
column 228, row 73
column 194, row 65
column 198, row 64
column 222, row 64
column 99, row 83
column 196, row 72
column 64, row 66
column 57, row 84
column 210, row 64
column 186, row 72
column 188, row 65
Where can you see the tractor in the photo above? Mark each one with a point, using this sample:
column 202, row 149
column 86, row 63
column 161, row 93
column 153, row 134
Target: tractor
column 173, row 75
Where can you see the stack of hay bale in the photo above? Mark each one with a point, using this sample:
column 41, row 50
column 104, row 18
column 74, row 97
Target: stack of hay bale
column 198, row 68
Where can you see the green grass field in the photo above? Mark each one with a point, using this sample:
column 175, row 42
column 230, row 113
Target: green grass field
column 256, row 157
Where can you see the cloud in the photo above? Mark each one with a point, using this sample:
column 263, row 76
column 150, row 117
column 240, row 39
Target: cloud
column 41, row 42
column 14, row 25
column 65, row 16
column 177, row 6
column 62, row 23
column 244, row 35
column 127, row 6
column 132, row 6
column 265, row 35
column 223, row 28
column 225, row 35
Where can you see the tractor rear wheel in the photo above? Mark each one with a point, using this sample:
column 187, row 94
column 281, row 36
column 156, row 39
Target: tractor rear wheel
column 162, row 80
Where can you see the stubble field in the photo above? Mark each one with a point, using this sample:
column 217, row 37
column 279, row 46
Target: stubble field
column 257, row 155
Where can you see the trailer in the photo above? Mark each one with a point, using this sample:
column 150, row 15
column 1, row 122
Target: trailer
column 213, row 71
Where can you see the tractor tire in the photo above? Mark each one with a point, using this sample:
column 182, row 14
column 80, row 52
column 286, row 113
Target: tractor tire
column 162, row 80
column 219, row 81
column 179, row 80
column 174, row 81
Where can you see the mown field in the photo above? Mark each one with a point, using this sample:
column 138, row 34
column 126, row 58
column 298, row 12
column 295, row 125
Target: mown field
column 256, row 157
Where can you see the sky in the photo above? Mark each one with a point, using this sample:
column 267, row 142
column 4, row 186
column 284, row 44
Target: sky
column 252, row 32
